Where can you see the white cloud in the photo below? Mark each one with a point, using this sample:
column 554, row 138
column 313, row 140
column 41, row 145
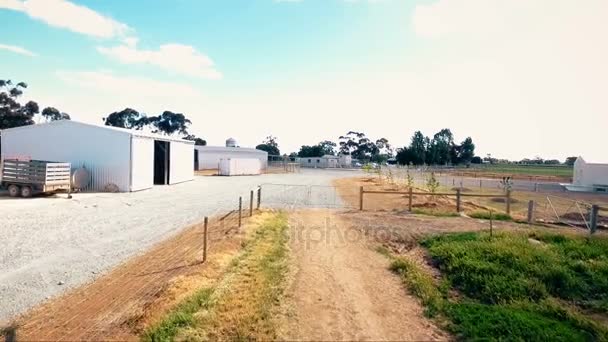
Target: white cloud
column 109, row 83
column 65, row 14
column 17, row 49
column 544, row 60
column 175, row 58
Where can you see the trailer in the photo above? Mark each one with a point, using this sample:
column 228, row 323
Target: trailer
column 26, row 178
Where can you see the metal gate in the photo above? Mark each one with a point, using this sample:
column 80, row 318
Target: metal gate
column 301, row 196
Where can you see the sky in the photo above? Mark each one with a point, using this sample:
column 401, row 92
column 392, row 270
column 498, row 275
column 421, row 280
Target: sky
column 522, row 78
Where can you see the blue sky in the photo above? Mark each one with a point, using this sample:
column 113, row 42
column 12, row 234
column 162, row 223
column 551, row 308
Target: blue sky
column 513, row 75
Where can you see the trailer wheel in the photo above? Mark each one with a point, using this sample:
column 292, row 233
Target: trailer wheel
column 13, row 190
column 26, row 192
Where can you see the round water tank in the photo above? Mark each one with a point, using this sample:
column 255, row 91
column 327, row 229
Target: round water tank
column 81, row 178
column 230, row 142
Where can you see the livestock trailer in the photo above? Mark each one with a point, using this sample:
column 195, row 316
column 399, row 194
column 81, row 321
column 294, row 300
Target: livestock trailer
column 115, row 158
column 29, row 177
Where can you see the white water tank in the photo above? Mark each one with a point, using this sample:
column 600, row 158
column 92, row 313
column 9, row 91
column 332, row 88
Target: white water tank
column 231, row 142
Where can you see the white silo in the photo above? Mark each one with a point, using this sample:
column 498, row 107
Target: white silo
column 231, row 142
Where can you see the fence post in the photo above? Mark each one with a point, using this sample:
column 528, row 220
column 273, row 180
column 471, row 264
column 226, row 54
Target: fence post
column 240, row 210
column 259, row 196
column 535, row 187
column 205, row 239
column 530, row 212
column 480, row 184
column 251, row 203
column 593, row 213
column 411, row 197
column 509, row 202
column 361, row 198
column 457, row 200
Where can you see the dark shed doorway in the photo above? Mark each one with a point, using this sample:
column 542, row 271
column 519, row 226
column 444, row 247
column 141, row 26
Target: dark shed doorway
column 162, row 157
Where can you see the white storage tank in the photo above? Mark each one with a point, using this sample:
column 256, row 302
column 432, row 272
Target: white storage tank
column 240, row 167
column 231, row 142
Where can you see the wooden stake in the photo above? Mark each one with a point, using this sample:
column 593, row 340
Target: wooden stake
column 509, row 202
column 411, row 198
column 593, row 218
column 457, row 200
column 491, row 223
column 259, row 197
column 530, row 212
column 240, row 210
column 251, row 203
column 361, row 198
column 205, row 239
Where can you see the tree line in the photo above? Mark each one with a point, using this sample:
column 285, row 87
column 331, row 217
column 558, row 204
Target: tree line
column 438, row 150
column 14, row 114
column 167, row 123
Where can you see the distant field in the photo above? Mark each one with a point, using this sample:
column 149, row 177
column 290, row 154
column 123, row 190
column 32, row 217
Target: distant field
column 535, row 170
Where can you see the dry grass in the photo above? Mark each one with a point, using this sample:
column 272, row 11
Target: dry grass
column 242, row 305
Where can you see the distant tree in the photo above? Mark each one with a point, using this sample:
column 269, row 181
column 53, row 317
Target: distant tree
column 197, row 141
column 170, row 123
column 551, row 162
column 442, row 142
column 12, row 113
column 127, row 118
column 270, row 145
column 328, row 147
column 570, row 161
column 476, row 160
column 418, row 148
column 53, row 114
column 349, row 143
column 311, row 151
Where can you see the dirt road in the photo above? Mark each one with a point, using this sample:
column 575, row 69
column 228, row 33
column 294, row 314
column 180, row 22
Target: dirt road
column 341, row 289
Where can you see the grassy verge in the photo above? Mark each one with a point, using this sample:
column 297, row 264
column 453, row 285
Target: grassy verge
column 434, row 212
column 485, row 215
column 514, row 286
column 241, row 306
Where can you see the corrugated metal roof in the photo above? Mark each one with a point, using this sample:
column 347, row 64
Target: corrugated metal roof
column 131, row 132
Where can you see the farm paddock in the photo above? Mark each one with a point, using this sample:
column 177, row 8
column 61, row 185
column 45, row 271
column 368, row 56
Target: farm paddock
column 180, row 285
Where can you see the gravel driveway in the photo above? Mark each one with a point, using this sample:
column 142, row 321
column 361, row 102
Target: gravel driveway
column 53, row 244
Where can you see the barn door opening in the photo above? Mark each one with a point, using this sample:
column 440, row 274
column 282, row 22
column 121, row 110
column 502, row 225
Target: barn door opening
column 195, row 160
column 162, row 157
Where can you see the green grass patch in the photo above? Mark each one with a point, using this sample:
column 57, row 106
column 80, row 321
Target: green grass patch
column 241, row 306
column 533, row 170
column 508, row 267
column 436, row 213
column 485, row 215
column 420, row 284
column 509, row 288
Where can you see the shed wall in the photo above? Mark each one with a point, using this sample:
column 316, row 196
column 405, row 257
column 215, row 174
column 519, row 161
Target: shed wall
column 142, row 161
column 105, row 153
column 590, row 174
column 182, row 162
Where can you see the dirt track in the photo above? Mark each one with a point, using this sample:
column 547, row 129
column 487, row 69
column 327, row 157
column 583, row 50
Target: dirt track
column 342, row 289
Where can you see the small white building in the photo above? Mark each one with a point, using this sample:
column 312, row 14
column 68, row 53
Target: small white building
column 116, row 158
column 209, row 157
column 326, row 162
column 589, row 176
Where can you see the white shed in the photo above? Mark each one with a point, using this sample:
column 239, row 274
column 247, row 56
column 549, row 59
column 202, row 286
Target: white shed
column 128, row 160
column 590, row 176
column 208, row 157
column 327, row 161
